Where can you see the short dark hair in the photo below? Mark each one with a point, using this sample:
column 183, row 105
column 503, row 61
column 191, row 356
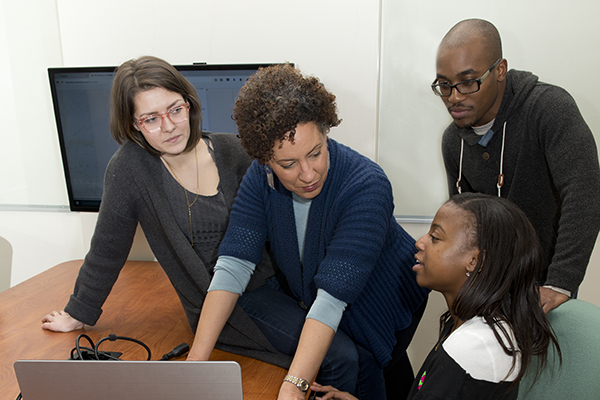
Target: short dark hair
column 142, row 74
column 504, row 284
column 273, row 102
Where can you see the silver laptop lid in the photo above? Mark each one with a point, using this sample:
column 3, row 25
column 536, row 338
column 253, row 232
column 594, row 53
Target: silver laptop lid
column 148, row 380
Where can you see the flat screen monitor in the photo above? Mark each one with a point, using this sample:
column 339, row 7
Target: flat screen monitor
column 81, row 108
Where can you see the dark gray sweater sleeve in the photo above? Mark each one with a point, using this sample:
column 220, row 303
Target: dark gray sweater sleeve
column 572, row 160
column 110, row 245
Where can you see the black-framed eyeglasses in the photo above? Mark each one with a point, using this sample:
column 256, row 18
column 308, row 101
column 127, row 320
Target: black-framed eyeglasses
column 464, row 87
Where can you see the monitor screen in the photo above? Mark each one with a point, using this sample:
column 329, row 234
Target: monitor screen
column 81, row 108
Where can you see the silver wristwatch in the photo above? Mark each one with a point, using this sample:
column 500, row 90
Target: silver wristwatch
column 301, row 383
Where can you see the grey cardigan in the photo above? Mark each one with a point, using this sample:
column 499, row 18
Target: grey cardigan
column 134, row 192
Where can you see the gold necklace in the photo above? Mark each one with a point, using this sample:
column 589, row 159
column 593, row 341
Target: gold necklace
column 189, row 206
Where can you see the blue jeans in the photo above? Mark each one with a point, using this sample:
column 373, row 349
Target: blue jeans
column 347, row 366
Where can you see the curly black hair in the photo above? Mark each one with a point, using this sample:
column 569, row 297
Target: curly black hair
column 273, row 102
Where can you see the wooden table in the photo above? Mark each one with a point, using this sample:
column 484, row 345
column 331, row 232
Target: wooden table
column 142, row 305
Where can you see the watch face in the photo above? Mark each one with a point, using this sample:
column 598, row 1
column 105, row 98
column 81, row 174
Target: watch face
column 303, row 385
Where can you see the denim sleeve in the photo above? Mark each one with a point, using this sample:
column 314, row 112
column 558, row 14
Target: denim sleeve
column 231, row 274
column 327, row 309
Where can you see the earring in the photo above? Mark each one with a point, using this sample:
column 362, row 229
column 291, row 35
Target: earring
column 468, row 274
column 270, row 180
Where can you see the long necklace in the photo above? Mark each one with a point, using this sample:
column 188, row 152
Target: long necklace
column 187, row 200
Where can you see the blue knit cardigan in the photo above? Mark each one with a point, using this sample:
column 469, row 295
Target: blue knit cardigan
column 354, row 249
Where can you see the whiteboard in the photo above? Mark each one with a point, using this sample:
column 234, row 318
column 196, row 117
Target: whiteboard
column 556, row 40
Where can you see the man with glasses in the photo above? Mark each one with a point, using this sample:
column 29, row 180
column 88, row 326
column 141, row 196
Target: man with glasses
column 516, row 137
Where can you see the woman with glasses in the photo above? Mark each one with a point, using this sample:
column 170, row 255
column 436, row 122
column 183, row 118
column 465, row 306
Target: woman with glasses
column 179, row 184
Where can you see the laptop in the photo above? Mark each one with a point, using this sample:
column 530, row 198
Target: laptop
column 114, row 380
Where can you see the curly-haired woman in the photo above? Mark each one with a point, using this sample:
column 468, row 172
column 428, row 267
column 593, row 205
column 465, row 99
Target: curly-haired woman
column 346, row 302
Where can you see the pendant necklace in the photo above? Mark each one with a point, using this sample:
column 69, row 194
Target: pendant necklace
column 189, row 205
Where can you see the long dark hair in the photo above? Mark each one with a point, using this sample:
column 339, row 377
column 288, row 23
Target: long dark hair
column 504, row 285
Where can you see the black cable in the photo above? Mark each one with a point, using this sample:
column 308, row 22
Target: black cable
column 176, row 352
column 86, row 353
column 112, row 338
column 79, row 355
column 90, row 341
column 93, row 352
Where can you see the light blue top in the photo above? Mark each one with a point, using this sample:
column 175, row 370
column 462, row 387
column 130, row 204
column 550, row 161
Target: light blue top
column 232, row 274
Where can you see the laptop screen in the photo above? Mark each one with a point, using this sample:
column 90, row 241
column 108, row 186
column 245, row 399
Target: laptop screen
column 81, row 109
